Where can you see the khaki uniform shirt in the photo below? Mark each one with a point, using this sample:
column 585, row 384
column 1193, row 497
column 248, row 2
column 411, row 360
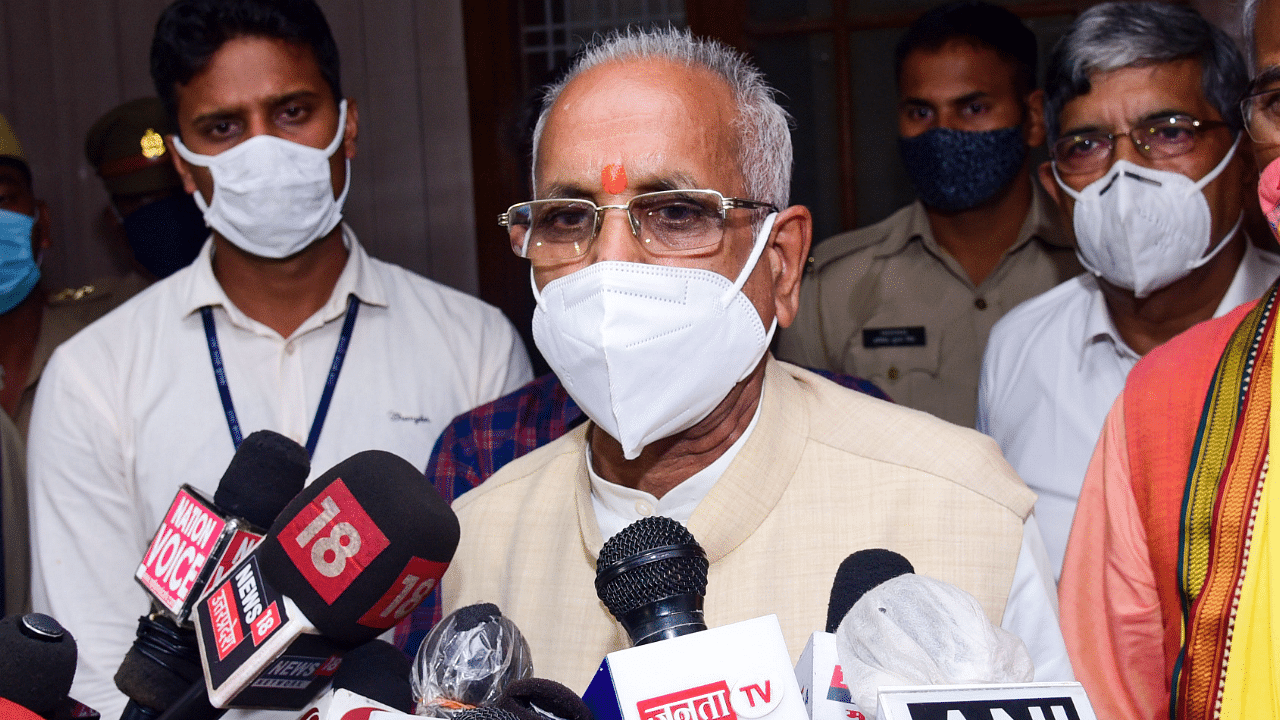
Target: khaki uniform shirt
column 888, row 304
column 65, row 314
column 826, row 471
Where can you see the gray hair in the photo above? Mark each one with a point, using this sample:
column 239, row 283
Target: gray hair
column 1248, row 21
column 764, row 134
column 1119, row 35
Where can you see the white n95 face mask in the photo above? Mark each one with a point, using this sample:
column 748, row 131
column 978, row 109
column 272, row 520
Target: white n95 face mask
column 648, row 351
column 1142, row 229
column 272, row 197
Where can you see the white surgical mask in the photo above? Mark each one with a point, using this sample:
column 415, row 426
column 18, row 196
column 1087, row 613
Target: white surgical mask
column 1142, row 229
column 272, row 197
column 648, row 351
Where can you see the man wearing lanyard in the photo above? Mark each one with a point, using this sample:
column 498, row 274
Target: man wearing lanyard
column 282, row 322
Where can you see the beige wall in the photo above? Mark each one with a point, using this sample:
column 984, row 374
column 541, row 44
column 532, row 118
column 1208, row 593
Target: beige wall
column 65, row 62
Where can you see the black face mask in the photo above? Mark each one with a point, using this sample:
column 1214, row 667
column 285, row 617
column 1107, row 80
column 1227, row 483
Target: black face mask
column 956, row 170
column 166, row 235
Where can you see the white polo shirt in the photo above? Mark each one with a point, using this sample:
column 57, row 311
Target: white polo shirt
column 129, row 409
column 1053, row 367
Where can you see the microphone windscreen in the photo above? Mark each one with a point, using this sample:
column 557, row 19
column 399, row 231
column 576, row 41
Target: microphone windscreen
column 485, row 713
column 160, row 665
column 37, row 662
column 538, row 698
column 360, row 547
column 267, row 471
column 378, row 671
column 649, row 560
column 860, row 572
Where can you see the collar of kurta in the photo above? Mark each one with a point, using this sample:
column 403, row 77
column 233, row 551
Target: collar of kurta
column 751, row 486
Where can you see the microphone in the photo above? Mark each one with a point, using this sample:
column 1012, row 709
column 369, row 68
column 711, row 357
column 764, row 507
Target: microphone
column 652, row 576
column 913, row 630
column 861, row 571
column 542, row 699
column 485, row 713
column 196, row 545
column 377, row 671
column 37, row 665
column 373, row 676
column 354, row 553
column 818, row 671
column 200, row 539
column 467, row 660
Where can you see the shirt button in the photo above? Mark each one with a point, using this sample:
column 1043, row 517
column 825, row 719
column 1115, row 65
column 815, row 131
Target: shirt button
column 893, row 373
column 980, row 303
column 644, row 508
column 290, row 348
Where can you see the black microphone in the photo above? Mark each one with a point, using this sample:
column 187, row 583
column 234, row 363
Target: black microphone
column 378, row 671
column 652, row 576
column 860, row 572
column 266, row 472
column 200, row 539
column 37, row 665
column 353, row 554
column 540, row 699
column 468, row 659
column 485, row 713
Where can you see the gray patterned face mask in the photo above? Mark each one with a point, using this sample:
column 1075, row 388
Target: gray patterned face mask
column 954, row 170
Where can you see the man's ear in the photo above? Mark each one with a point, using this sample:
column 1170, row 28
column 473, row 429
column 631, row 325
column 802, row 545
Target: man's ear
column 1034, row 130
column 184, row 170
column 788, row 252
column 352, row 131
column 1050, row 185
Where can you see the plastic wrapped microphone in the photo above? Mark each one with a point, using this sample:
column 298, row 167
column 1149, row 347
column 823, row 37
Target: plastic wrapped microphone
column 652, row 576
column 467, row 660
column 915, row 630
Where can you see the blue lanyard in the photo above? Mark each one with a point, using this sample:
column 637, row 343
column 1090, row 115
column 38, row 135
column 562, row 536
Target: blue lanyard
column 224, row 390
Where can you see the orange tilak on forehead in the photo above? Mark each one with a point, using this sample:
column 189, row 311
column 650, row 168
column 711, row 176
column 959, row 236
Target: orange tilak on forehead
column 613, row 178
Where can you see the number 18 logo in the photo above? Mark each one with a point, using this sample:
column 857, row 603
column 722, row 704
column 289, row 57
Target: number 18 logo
column 332, row 540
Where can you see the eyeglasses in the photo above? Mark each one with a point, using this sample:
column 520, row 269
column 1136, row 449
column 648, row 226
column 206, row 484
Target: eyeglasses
column 1261, row 111
column 670, row 222
column 1166, row 137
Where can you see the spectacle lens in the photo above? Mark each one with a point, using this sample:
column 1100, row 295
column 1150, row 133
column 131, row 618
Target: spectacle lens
column 669, row 222
column 1261, row 113
column 1158, row 139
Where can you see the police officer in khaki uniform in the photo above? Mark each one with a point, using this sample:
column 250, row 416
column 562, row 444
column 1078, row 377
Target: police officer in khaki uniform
column 908, row 302
column 33, row 321
column 147, row 207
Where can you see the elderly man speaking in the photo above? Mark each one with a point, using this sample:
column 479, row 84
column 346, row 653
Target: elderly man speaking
column 663, row 256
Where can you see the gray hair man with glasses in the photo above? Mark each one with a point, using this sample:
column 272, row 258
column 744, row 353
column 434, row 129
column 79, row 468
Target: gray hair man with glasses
column 663, row 255
column 1146, row 161
column 1167, row 590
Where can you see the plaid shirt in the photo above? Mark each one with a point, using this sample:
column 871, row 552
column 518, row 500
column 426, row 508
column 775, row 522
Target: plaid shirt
column 479, row 442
